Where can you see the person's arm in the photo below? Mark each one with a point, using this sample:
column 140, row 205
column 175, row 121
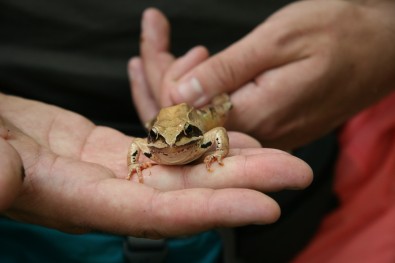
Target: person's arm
column 75, row 179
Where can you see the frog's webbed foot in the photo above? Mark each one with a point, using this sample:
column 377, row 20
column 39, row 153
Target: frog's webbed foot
column 134, row 166
column 215, row 157
column 137, row 168
column 220, row 138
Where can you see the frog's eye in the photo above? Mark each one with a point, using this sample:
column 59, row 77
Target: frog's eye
column 192, row 131
column 152, row 135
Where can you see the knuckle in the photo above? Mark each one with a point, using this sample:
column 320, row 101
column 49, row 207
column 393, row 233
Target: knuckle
column 225, row 72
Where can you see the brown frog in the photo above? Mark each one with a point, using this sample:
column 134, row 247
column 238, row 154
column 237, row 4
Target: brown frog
column 181, row 134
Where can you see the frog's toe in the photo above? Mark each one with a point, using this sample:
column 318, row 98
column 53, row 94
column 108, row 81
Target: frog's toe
column 137, row 168
column 210, row 159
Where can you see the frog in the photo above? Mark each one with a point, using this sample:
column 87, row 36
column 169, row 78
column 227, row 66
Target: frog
column 181, row 134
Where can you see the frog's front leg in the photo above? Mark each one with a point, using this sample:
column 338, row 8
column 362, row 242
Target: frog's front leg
column 220, row 138
column 135, row 148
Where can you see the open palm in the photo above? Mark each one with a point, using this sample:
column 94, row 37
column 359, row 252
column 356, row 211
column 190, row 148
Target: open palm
column 74, row 182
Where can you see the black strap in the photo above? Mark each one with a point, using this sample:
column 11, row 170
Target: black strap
column 144, row 250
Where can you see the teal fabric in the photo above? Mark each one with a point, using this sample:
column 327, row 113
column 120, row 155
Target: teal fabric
column 203, row 248
column 29, row 243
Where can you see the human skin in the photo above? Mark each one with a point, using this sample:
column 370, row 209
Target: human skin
column 295, row 77
column 61, row 171
column 11, row 174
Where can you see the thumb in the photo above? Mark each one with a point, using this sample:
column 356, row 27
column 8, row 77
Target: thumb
column 222, row 73
column 268, row 46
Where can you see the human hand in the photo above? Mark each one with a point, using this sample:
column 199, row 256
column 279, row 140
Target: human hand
column 74, row 182
column 11, row 171
column 156, row 66
column 298, row 75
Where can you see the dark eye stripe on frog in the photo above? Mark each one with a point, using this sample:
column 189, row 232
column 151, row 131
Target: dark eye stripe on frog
column 192, row 131
column 153, row 136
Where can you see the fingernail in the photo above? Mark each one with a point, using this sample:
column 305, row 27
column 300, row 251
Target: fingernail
column 145, row 25
column 192, row 92
column 148, row 26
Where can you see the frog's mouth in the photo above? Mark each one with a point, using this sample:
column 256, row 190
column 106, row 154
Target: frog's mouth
column 176, row 155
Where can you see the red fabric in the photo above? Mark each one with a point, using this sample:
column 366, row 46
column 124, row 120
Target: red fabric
column 362, row 229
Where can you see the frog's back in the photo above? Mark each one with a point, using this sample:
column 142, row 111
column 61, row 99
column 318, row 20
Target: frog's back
column 172, row 115
column 215, row 114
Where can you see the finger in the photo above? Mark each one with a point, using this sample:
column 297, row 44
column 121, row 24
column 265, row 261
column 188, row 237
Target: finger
column 242, row 140
column 11, row 173
column 270, row 45
column 142, row 211
column 181, row 66
column 142, row 96
column 154, row 48
column 265, row 170
column 187, row 62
